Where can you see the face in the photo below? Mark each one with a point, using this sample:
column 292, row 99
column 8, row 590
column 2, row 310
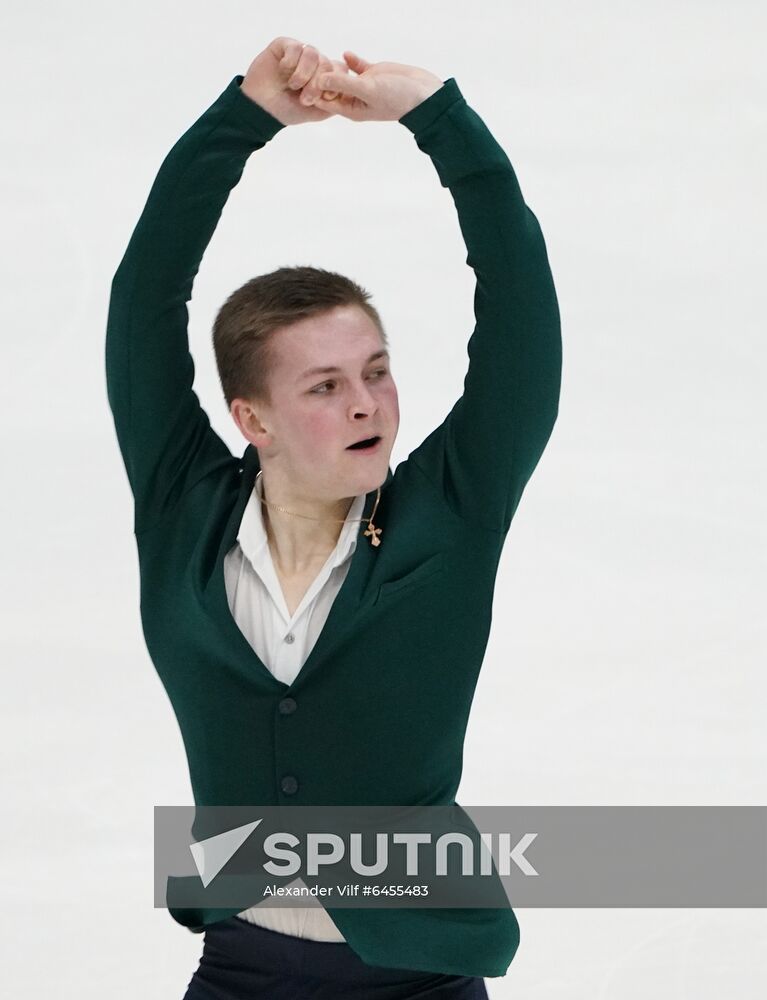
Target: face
column 331, row 385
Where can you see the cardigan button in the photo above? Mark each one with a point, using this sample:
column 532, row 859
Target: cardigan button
column 289, row 785
column 290, row 637
column 287, row 705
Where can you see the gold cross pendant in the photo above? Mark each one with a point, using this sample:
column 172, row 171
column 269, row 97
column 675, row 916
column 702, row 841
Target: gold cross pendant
column 373, row 532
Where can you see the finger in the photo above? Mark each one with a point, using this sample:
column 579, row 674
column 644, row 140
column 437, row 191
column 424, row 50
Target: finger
column 346, row 84
column 279, row 46
column 312, row 90
column 358, row 64
column 306, row 66
column 291, row 53
column 345, row 107
column 340, row 65
column 306, row 69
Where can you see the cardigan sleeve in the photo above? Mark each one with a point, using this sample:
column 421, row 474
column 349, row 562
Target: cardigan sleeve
column 484, row 452
column 165, row 437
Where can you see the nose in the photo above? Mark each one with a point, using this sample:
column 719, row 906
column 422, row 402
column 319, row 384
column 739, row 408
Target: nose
column 363, row 403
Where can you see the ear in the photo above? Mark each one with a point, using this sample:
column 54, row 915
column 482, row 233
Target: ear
column 248, row 415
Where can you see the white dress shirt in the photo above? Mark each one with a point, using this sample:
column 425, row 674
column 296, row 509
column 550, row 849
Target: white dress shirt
column 283, row 642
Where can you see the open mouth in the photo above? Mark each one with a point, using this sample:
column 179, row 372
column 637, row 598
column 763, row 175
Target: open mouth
column 368, row 444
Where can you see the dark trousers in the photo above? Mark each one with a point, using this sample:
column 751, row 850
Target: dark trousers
column 242, row 961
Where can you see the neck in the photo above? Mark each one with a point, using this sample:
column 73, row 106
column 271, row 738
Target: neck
column 299, row 544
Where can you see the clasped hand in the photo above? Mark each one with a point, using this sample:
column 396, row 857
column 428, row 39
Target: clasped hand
column 295, row 83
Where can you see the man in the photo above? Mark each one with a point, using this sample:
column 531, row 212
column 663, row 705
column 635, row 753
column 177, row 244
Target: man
column 319, row 621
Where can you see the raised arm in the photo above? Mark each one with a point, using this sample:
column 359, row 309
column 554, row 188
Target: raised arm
column 164, row 435
column 486, row 449
column 484, row 452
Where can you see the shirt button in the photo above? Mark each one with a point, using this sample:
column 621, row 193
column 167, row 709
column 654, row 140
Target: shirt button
column 289, row 637
column 289, row 785
column 287, row 705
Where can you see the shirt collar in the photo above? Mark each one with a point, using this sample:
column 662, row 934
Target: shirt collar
column 255, row 543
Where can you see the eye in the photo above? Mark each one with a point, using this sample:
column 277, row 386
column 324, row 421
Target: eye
column 320, row 390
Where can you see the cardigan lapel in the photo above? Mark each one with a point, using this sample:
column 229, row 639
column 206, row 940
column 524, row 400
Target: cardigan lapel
column 342, row 615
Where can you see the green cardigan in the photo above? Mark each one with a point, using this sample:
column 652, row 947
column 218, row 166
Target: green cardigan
column 378, row 712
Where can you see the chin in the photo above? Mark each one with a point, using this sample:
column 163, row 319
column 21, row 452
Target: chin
column 368, row 479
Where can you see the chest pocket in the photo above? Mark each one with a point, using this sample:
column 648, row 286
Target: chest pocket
column 421, row 574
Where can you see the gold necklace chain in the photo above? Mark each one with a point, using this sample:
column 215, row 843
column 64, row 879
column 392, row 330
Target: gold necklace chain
column 370, row 531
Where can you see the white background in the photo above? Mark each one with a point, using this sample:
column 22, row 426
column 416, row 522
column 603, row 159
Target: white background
column 627, row 660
